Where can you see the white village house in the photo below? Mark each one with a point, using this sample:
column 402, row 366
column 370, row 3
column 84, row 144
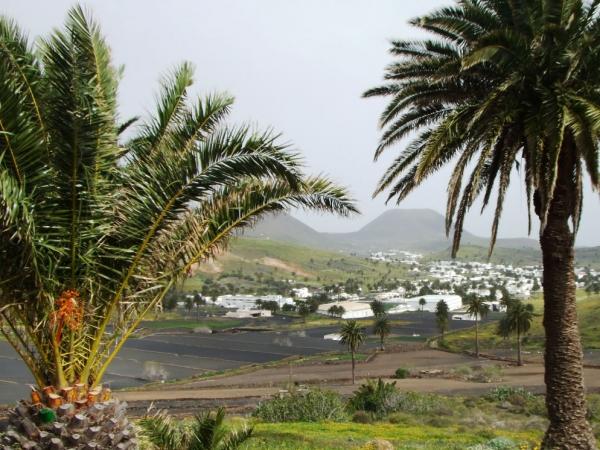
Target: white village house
column 239, row 301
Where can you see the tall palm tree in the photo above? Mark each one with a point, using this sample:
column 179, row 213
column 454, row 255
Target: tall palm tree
column 353, row 335
column 442, row 317
column 478, row 308
column 507, row 84
column 382, row 328
column 518, row 319
column 422, row 303
column 98, row 231
column 207, row 432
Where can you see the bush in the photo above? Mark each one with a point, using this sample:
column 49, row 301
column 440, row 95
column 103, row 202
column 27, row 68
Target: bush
column 524, row 401
column 376, row 397
column 312, row 406
column 401, row 373
column 362, row 417
column 495, row 444
column 594, row 408
column 503, row 393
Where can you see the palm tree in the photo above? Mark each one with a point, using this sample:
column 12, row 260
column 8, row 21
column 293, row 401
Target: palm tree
column 98, row 231
column 382, row 328
column 478, row 308
column 377, row 307
column 442, row 317
column 507, row 84
column 353, row 335
column 422, row 303
column 303, row 311
column 207, row 432
column 518, row 319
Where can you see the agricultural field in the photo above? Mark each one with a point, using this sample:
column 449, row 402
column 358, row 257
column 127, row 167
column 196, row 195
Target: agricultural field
column 588, row 308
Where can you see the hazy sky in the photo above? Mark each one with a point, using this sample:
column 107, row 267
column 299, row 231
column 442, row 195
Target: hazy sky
column 296, row 66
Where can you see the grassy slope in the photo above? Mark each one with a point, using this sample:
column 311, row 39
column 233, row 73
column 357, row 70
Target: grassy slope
column 588, row 308
column 589, row 256
column 289, row 261
column 348, row 435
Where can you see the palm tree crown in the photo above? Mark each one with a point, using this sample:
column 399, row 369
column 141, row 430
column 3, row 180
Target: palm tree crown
column 353, row 335
column 478, row 308
column 503, row 84
column 207, row 432
column 382, row 328
column 98, row 231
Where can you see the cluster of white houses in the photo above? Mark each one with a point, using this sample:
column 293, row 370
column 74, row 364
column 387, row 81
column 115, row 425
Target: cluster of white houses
column 246, row 306
column 360, row 309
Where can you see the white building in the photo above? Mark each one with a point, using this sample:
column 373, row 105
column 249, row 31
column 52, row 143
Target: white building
column 301, row 293
column 352, row 310
column 248, row 313
column 238, row 301
column 453, row 301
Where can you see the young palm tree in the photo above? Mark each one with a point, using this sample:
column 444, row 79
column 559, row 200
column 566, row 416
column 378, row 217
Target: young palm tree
column 422, row 303
column 382, row 328
column 97, row 232
column 478, row 308
column 353, row 335
column 442, row 317
column 508, row 84
column 518, row 319
column 207, row 432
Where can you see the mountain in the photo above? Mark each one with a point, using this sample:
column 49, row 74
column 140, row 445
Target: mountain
column 421, row 230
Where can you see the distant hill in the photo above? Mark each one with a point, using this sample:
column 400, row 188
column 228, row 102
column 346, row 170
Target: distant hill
column 420, row 230
column 250, row 262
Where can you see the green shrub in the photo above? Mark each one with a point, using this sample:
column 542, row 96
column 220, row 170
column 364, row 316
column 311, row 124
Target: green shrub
column 503, row 393
column 421, row 404
column 312, row 406
column 401, row 373
column 463, row 371
column 378, row 398
column 496, row 444
column 362, row 417
column 594, row 408
column 439, row 422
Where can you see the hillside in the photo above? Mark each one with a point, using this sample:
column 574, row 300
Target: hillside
column 588, row 310
column 251, row 261
column 421, row 230
column 516, row 256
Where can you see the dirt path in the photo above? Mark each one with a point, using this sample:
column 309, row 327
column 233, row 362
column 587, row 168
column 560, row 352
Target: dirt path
column 263, row 383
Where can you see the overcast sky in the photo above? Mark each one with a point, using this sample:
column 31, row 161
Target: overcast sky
column 296, row 66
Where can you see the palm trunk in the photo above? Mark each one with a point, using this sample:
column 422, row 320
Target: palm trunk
column 565, row 394
column 381, row 342
column 476, row 336
column 519, row 360
column 353, row 366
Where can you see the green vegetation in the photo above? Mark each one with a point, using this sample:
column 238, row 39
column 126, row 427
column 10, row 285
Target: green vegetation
column 311, row 406
column 353, row 336
column 206, row 432
column 213, row 324
column 588, row 310
column 255, row 265
column 498, row 85
column 354, row 436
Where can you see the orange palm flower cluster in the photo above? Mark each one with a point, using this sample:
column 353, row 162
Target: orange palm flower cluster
column 69, row 312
